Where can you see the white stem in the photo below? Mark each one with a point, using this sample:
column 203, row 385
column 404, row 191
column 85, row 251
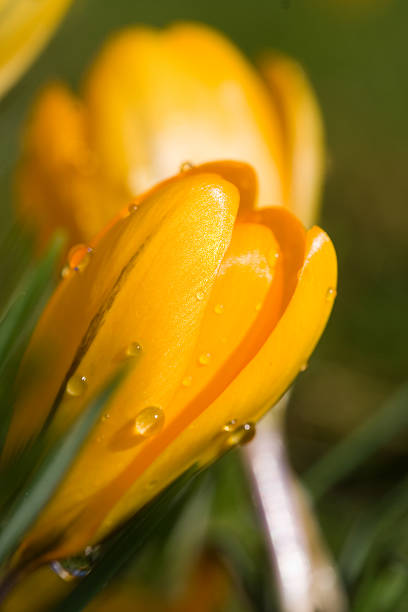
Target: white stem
column 305, row 578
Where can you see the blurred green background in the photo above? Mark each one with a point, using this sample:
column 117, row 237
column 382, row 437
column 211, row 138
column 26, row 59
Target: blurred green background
column 356, row 56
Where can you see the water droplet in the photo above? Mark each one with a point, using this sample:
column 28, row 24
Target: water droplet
column 331, row 294
column 149, row 421
column 231, row 425
column 258, row 306
column 186, row 382
column 79, row 257
column 304, row 367
column 78, row 566
column 65, row 271
column 273, row 257
column 76, row 385
column 134, row 349
column 132, row 208
column 185, row 166
column 200, row 296
column 219, row 308
column 204, row 359
column 241, row 435
column 106, row 416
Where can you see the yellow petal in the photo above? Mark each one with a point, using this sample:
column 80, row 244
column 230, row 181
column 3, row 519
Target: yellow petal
column 158, row 99
column 139, row 287
column 302, row 134
column 257, row 387
column 59, row 181
column 24, row 29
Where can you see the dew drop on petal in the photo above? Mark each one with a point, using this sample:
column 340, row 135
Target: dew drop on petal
column 200, row 296
column 185, row 166
column 258, row 306
column 187, row 380
column 134, row 349
column 204, row 359
column 76, row 385
column 331, row 294
column 219, row 308
column 273, row 257
column 230, row 425
column 132, row 208
column 149, row 421
column 79, row 257
column 303, row 367
column 241, row 435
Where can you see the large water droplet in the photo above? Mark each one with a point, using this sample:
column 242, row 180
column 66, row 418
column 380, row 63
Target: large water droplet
column 134, row 349
column 76, row 385
column 241, row 435
column 149, row 421
column 204, row 359
column 185, row 166
column 79, row 257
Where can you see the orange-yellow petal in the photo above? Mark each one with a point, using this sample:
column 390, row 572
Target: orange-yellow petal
column 293, row 99
column 59, row 182
column 137, row 300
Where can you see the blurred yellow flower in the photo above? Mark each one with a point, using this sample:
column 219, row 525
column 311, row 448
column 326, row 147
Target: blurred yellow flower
column 25, row 27
column 153, row 100
column 217, row 305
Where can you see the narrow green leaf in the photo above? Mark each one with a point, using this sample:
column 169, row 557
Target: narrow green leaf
column 370, row 527
column 31, row 501
column 351, row 452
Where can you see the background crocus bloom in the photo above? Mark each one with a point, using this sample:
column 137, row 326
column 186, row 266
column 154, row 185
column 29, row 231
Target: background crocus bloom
column 153, row 100
column 24, row 29
column 215, row 304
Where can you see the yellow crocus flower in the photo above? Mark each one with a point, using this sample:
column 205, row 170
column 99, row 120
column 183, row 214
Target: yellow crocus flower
column 25, row 27
column 217, row 304
column 153, row 100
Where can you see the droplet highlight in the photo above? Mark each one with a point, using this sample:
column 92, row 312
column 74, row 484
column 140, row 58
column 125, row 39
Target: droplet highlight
column 65, row 271
column 204, row 359
column 187, row 380
column 230, row 425
column 76, row 385
column 219, row 308
column 79, row 257
column 132, row 208
column 134, row 349
column 331, row 294
column 304, row 367
column 241, row 435
column 200, row 296
column 149, row 421
column 185, row 166
column 273, row 257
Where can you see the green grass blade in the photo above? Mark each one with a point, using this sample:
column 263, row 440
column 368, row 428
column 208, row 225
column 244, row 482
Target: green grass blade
column 31, row 500
column 351, row 452
column 16, row 326
column 370, row 527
